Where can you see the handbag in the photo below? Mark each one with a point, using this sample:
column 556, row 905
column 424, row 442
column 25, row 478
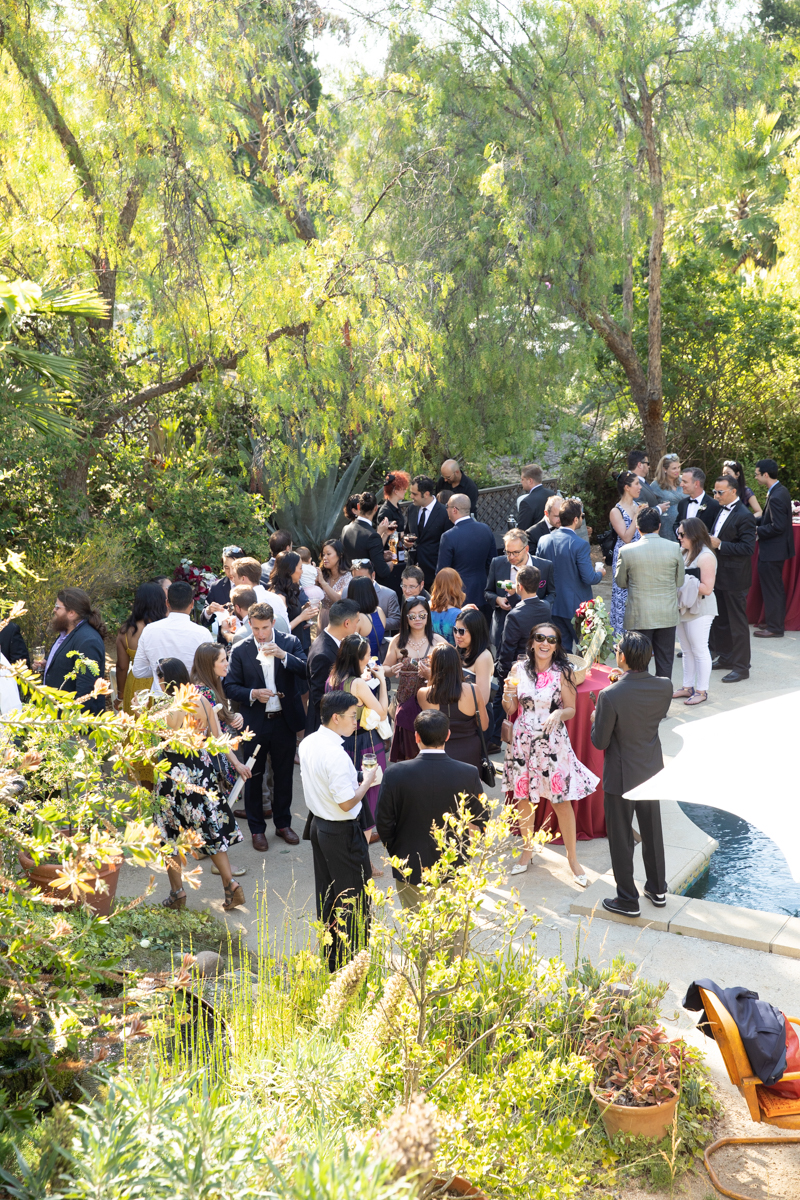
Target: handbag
column 486, row 769
column 370, row 720
column 507, row 731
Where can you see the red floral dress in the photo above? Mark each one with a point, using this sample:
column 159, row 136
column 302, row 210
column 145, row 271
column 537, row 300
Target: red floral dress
column 539, row 764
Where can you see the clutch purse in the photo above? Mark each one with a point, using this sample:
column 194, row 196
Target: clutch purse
column 507, row 732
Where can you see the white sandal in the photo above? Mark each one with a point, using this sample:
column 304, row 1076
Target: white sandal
column 581, row 880
column 519, row 868
column 238, row 872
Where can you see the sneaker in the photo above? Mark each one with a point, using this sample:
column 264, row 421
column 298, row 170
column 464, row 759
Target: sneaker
column 614, row 906
column 657, row 898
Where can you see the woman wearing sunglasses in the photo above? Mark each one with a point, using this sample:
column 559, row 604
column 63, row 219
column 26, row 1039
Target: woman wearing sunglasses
column 408, row 657
column 540, row 762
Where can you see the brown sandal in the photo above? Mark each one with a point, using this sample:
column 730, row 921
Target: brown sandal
column 176, row 900
column 234, row 896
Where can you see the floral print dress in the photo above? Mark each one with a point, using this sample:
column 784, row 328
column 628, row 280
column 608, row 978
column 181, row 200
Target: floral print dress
column 537, row 764
column 619, row 596
column 188, row 797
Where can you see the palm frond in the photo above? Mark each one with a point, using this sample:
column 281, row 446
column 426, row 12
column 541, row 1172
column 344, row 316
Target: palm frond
column 55, row 367
column 73, row 302
column 37, row 408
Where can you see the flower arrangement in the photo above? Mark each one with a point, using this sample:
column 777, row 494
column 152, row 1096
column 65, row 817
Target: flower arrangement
column 796, row 510
column 595, row 632
column 201, row 579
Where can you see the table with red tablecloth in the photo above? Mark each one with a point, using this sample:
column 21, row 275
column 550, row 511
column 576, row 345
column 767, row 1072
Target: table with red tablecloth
column 590, row 821
column 791, row 585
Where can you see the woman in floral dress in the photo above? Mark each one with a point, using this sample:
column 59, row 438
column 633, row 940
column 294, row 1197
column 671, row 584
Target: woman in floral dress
column 540, row 762
column 623, row 522
column 188, row 796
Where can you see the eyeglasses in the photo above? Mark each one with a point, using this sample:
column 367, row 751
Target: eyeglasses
column 681, row 534
column 550, row 638
column 459, row 631
column 720, row 491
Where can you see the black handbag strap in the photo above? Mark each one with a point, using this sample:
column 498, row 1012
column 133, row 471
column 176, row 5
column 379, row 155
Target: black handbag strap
column 484, row 751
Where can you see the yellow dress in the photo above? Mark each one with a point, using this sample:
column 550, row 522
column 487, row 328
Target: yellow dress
column 132, row 685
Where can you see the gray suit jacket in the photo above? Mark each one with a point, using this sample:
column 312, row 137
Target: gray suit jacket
column 647, row 496
column 652, row 570
column 626, row 727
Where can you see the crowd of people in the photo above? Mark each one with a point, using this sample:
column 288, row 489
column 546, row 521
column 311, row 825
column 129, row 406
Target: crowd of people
column 391, row 670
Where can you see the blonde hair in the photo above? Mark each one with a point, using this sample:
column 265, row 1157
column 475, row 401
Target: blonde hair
column 660, row 476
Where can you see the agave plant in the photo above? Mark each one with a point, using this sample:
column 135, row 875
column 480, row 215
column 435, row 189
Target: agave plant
column 317, row 514
column 27, row 375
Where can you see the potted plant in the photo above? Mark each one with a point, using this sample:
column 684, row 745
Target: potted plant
column 637, row 1079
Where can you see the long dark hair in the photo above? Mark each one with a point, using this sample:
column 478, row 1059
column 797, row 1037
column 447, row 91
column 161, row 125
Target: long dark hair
column 344, row 564
column 475, row 624
column 560, row 659
column 348, row 662
column 281, row 581
column 731, row 467
column 172, row 674
column 698, row 535
column 149, row 604
column 405, row 628
column 362, row 590
column 205, row 656
column 77, row 601
column 447, row 676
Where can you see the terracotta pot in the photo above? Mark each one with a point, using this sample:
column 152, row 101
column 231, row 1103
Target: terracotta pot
column 41, row 875
column 459, row 1187
column 649, row 1120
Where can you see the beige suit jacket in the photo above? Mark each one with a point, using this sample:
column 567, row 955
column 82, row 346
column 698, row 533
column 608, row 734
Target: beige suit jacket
column 652, row 570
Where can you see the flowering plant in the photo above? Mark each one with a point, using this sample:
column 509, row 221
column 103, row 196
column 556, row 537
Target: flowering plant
column 796, row 510
column 201, row 579
column 595, row 632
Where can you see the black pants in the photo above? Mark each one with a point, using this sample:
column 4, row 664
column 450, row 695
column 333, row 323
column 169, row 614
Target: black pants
column 770, row 575
column 342, row 870
column 663, row 643
column 730, row 634
column 276, row 740
column 619, row 829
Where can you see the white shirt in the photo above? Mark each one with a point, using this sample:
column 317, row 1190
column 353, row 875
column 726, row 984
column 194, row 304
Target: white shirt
column 428, row 509
column 276, row 602
column 328, row 775
column 694, row 505
column 267, row 664
column 176, row 636
column 722, row 517
column 366, row 521
column 515, row 570
column 460, row 519
column 432, row 750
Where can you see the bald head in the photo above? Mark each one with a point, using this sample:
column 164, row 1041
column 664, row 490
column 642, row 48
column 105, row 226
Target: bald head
column 458, row 506
column 451, row 473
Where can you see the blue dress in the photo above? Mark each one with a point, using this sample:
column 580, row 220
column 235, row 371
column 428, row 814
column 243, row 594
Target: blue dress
column 619, row 596
column 443, row 623
column 376, row 636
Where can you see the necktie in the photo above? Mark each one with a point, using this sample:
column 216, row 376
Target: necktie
column 421, row 521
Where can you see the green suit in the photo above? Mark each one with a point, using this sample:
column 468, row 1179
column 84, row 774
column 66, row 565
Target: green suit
column 652, row 570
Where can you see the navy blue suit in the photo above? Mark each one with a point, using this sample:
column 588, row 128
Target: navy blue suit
column 85, row 639
column 275, row 734
column 469, row 548
column 574, row 575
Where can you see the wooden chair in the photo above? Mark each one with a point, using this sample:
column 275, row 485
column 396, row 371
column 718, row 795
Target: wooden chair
column 765, row 1107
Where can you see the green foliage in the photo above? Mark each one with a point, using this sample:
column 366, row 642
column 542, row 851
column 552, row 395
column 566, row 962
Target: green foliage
column 318, row 513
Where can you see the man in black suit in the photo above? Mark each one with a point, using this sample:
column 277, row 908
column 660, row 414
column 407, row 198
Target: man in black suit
column 361, row 540
column 734, row 539
column 775, row 545
column 531, row 506
column 344, row 618
column 80, row 630
column 550, row 521
column 695, row 502
column 265, row 675
column 504, row 569
column 427, row 520
column 454, row 480
column 625, row 725
column 219, row 593
column 468, row 548
column 415, row 795
column 529, row 610
column 12, row 644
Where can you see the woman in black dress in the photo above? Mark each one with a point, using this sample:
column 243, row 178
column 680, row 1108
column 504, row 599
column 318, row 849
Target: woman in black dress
column 460, row 702
column 285, row 580
column 395, row 486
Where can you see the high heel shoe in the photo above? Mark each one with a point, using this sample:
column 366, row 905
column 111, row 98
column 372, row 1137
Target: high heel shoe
column 519, row 868
column 234, row 896
column 176, row 899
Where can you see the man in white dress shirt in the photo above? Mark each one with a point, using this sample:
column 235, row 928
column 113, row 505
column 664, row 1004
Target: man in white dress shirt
column 176, row 636
column 333, row 796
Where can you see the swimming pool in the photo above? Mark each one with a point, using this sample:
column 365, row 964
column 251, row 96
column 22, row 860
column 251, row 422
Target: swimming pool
column 747, row 870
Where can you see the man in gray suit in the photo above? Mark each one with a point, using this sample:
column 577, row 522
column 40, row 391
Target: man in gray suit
column 652, row 570
column 625, row 725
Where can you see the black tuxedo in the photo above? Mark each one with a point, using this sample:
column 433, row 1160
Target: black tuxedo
column 730, row 634
column 626, row 726
column 12, row 644
column 275, row 734
column 775, row 545
column 426, row 551
column 707, row 512
column 85, row 639
column 360, row 540
column 516, row 631
column 414, row 796
column 500, row 569
column 531, row 509
column 321, row 658
column 537, row 532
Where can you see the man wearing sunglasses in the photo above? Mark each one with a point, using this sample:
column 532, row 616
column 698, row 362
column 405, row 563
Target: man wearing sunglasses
column 639, row 463
column 734, row 540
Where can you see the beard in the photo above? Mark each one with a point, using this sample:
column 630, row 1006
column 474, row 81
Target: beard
column 59, row 623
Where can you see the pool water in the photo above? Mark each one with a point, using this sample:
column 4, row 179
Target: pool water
column 748, row 870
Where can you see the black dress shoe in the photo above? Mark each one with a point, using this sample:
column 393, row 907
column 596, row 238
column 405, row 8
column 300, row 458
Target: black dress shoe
column 289, row 836
column 614, row 906
column 719, row 666
column 657, row 898
column 735, row 676
column 765, row 633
